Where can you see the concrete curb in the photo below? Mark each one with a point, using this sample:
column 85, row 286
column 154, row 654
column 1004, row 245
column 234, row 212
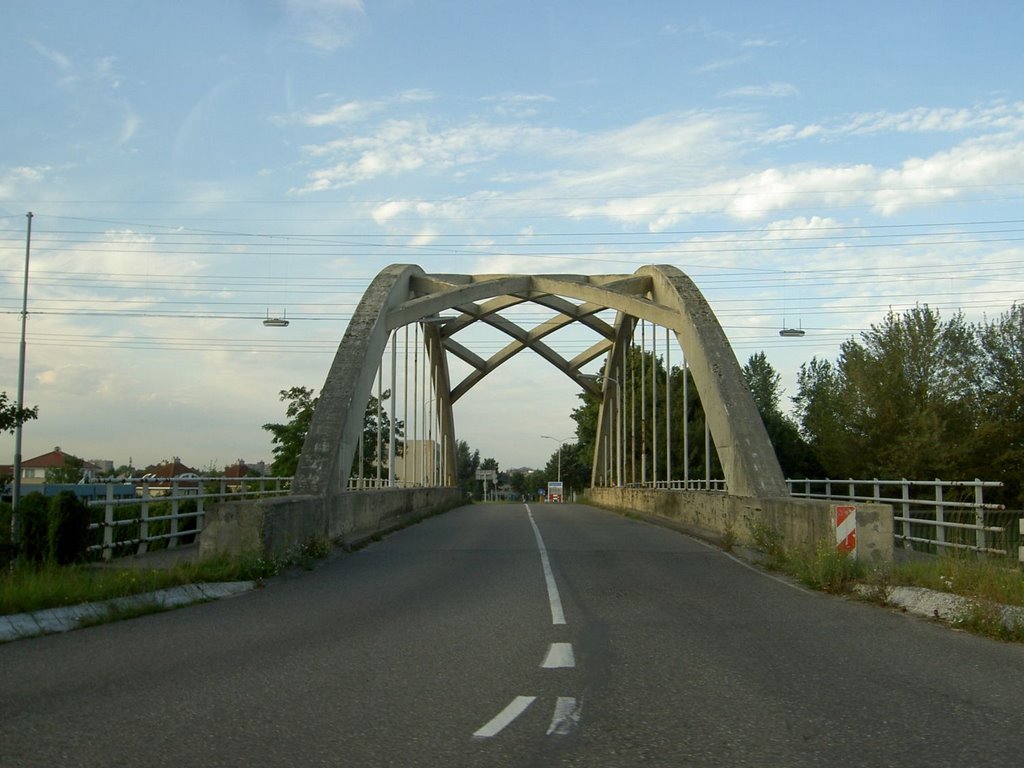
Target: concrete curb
column 937, row 605
column 21, row 625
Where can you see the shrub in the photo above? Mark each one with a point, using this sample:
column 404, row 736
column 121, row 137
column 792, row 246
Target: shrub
column 33, row 517
column 6, row 549
column 69, row 528
column 829, row 569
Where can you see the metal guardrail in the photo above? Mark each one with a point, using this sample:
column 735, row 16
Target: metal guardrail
column 947, row 515
column 693, row 484
column 169, row 512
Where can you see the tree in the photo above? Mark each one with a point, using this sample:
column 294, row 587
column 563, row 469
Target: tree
column 901, row 401
column 763, row 380
column 644, row 414
column 289, row 437
column 793, row 453
column 467, row 462
column 575, row 472
column 1000, row 436
column 377, row 434
column 11, row 416
column 71, row 472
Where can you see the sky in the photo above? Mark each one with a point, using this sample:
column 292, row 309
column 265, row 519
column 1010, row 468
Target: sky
column 194, row 167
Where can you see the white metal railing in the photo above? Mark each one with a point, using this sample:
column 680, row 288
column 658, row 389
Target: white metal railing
column 693, row 484
column 169, row 511
column 939, row 514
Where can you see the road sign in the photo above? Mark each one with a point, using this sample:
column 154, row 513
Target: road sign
column 846, row 529
column 486, row 474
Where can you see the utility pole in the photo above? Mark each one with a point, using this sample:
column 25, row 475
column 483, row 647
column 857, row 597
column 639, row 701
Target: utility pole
column 16, row 497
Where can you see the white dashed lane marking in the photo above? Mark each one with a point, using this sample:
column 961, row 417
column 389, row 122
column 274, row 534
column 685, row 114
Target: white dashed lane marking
column 566, row 717
column 498, row 723
column 560, row 656
column 557, row 616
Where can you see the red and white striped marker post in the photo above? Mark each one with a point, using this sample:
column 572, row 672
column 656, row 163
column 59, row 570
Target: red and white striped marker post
column 846, row 528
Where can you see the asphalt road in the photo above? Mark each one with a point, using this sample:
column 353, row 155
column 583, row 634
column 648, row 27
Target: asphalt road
column 502, row 635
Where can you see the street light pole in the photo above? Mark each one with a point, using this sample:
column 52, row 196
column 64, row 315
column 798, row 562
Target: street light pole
column 559, row 441
column 15, row 498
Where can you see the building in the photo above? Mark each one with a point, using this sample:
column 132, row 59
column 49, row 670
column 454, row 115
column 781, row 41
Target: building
column 416, row 465
column 163, row 477
column 34, row 470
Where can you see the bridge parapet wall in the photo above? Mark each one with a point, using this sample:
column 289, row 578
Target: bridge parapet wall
column 801, row 523
column 275, row 525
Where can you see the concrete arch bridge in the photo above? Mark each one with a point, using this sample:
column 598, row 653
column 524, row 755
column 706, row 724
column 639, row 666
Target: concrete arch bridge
column 412, row 330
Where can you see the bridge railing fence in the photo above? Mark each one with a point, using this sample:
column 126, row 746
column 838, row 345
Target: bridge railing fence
column 147, row 514
column 931, row 515
column 693, row 484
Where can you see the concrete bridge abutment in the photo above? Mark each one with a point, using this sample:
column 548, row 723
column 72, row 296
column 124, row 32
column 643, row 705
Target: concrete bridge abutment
column 800, row 524
column 275, row 526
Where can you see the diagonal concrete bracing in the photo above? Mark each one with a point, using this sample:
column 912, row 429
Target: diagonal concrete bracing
column 404, row 294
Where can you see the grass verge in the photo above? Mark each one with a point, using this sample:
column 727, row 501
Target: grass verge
column 979, row 578
column 992, row 588
column 27, row 587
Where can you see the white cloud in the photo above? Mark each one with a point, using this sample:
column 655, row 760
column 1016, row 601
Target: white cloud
column 425, row 236
column 13, row 181
column 719, row 64
column 518, row 105
column 949, row 174
column 403, row 146
column 348, row 112
column 997, row 116
column 769, row 90
column 129, row 126
column 325, row 25
column 389, row 210
column 55, row 57
column 416, row 95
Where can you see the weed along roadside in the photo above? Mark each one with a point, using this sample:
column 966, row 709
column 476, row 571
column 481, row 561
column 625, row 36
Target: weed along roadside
column 40, row 598
column 966, row 591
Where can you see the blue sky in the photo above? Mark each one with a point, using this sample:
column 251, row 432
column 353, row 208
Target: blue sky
column 193, row 166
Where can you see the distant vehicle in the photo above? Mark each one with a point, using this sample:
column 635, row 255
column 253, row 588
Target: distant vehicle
column 555, row 493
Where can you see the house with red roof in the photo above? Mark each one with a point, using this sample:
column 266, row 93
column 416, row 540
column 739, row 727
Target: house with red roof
column 166, row 475
column 33, row 471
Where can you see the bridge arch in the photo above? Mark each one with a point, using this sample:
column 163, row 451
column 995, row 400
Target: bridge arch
column 401, row 295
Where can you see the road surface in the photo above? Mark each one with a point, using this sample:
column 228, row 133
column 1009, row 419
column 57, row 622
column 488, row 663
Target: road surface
column 515, row 635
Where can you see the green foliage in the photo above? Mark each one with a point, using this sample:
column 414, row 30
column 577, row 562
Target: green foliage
column 377, row 433
column 289, row 437
column 763, row 381
column 728, row 540
column 999, row 447
column 11, row 416
column 918, row 396
column 645, row 416
column 34, row 519
column 768, row 540
column 68, row 528
column 526, row 484
column 966, row 574
column 795, row 456
column 575, row 472
column 32, row 587
column 70, row 472
column 467, row 462
column 6, row 548
column 827, row 569
column 991, row 620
